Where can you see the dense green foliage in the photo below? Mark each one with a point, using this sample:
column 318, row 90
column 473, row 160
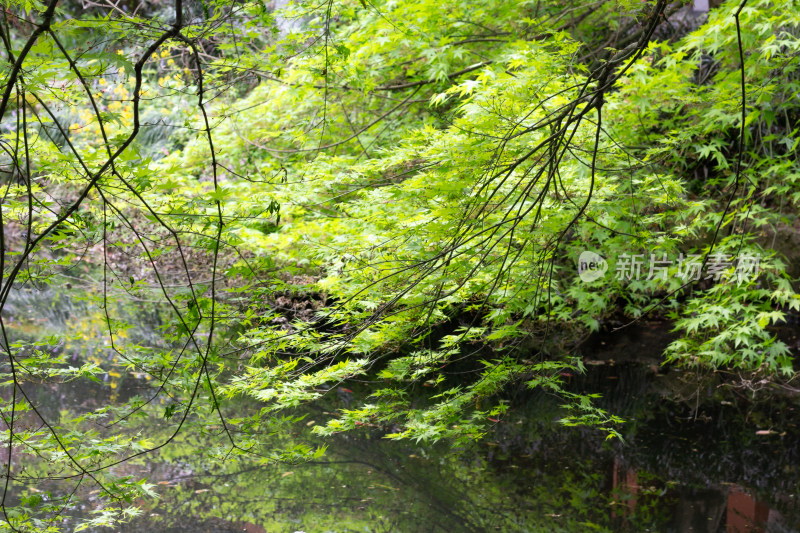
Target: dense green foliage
column 387, row 196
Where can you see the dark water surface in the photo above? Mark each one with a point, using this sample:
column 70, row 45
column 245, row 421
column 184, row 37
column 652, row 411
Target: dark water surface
column 699, row 454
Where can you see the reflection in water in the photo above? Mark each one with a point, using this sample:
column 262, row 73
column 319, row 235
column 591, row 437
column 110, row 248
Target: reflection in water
column 722, row 508
column 625, row 485
column 532, row 476
column 745, row 513
column 711, row 462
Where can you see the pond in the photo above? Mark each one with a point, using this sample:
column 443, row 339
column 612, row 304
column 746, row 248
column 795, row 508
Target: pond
column 699, row 454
